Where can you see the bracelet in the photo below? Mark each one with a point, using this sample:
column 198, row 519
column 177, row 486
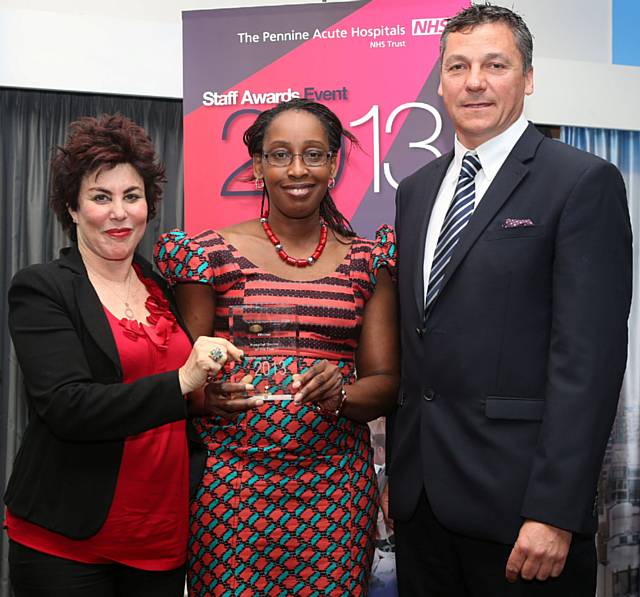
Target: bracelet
column 335, row 413
column 343, row 400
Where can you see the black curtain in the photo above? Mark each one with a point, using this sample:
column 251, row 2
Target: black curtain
column 31, row 124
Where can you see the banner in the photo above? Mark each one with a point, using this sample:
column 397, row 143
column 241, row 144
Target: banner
column 373, row 62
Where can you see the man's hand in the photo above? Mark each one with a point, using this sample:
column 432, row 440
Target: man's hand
column 384, row 506
column 540, row 552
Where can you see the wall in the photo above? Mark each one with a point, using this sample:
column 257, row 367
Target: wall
column 124, row 47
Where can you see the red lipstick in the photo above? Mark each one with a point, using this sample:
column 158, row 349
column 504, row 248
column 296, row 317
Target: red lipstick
column 119, row 232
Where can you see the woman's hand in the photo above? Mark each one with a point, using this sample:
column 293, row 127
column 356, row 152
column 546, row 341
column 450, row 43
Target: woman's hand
column 229, row 399
column 207, row 357
column 319, row 385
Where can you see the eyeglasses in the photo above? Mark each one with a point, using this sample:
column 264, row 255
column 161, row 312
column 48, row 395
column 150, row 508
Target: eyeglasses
column 311, row 157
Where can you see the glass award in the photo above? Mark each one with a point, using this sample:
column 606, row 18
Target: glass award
column 269, row 337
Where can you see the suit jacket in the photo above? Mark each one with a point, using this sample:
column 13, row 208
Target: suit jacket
column 80, row 413
column 509, row 391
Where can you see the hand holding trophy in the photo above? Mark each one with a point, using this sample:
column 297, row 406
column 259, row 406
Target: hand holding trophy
column 268, row 335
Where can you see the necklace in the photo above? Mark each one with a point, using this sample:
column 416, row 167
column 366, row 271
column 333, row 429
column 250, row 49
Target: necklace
column 275, row 241
column 128, row 311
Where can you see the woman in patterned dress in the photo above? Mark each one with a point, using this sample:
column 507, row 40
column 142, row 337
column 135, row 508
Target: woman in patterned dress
column 288, row 501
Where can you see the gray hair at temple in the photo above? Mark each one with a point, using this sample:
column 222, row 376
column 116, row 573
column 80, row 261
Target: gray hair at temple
column 482, row 14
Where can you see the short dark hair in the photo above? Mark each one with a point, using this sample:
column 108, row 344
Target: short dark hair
column 254, row 140
column 96, row 144
column 481, row 14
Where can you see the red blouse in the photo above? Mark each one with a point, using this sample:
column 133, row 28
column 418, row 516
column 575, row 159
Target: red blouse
column 147, row 524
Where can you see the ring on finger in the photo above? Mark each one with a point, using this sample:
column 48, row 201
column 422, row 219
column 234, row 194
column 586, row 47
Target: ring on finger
column 216, row 353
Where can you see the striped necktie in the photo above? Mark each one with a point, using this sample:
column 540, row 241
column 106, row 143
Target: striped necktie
column 457, row 217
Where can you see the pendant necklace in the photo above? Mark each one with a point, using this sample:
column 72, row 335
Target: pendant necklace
column 128, row 311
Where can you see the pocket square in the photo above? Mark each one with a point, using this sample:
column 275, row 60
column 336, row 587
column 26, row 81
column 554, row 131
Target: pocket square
column 514, row 223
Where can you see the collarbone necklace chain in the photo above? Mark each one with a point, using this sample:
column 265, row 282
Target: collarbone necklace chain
column 128, row 311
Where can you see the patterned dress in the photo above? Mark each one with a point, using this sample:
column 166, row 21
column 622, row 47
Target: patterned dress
column 288, row 500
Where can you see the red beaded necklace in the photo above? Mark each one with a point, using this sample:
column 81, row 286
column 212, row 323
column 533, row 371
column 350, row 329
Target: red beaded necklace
column 275, row 241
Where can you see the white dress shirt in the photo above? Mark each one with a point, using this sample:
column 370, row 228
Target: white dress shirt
column 492, row 154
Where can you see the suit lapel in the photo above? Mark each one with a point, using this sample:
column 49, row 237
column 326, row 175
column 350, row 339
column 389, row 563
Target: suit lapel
column 509, row 176
column 426, row 197
column 89, row 306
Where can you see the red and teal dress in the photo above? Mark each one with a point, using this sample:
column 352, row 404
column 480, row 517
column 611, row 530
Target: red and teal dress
column 288, row 500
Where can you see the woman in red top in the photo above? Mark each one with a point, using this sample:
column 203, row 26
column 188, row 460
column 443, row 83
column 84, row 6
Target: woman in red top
column 97, row 504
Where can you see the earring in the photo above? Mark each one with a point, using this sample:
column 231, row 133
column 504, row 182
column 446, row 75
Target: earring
column 259, row 184
column 264, row 205
column 332, row 183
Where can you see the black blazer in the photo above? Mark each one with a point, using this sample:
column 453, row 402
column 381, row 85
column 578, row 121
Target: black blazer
column 509, row 392
column 80, row 413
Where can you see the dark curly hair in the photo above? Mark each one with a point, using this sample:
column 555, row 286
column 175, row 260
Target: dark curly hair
column 96, row 144
column 254, row 140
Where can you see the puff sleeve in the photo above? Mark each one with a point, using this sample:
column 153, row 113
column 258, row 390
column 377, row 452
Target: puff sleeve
column 181, row 258
column 383, row 253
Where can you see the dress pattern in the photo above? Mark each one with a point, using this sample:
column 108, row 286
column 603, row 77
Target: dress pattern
column 288, row 501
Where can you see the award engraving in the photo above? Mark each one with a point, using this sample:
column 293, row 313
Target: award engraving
column 269, row 337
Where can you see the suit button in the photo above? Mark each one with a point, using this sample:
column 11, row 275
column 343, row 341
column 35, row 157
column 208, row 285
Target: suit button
column 419, row 331
column 429, row 395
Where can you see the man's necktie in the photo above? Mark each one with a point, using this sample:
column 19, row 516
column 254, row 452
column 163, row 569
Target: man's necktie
column 455, row 221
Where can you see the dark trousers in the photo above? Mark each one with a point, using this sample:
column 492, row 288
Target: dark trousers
column 36, row 574
column 432, row 561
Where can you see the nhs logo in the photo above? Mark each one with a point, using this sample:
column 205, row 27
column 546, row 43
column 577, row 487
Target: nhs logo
column 428, row 26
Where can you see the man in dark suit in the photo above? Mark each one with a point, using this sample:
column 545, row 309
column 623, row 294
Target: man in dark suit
column 515, row 285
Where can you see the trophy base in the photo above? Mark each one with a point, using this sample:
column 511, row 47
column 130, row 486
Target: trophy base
column 274, row 397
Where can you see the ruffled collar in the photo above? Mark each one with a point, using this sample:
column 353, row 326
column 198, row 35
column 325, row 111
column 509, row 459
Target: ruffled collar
column 160, row 324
